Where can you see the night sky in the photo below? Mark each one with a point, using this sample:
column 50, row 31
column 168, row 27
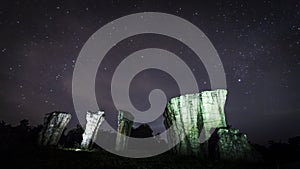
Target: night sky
column 257, row 41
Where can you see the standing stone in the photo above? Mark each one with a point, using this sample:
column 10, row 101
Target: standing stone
column 54, row 125
column 125, row 122
column 94, row 120
column 191, row 113
column 184, row 113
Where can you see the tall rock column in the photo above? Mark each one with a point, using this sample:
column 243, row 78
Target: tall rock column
column 189, row 114
column 54, row 125
column 125, row 122
column 94, row 120
column 183, row 114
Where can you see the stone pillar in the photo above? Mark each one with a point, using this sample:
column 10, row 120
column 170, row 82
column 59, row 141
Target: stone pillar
column 94, row 120
column 125, row 122
column 54, row 125
column 191, row 113
column 183, row 113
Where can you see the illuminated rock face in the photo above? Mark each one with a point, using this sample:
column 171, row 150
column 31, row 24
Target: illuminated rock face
column 233, row 145
column 191, row 113
column 54, row 125
column 125, row 122
column 94, row 120
column 212, row 110
column 184, row 113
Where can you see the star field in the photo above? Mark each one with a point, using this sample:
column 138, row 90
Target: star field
column 258, row 43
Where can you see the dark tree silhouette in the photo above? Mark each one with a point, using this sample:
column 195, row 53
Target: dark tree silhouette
column 74, row 137
column 143, row 131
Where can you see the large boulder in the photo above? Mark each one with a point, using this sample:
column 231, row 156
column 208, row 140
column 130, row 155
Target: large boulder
column 230, row 144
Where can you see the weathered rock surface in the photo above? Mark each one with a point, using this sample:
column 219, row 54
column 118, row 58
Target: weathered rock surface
column 94, row 120
column 230, row 144
column 212, row 110
column 125, row 122
column 54, row 125
column 191, row 113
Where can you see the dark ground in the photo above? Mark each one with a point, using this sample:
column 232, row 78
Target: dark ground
column 54, row 158
column 19, row 149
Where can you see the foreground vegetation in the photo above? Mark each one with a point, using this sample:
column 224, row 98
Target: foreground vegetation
column 19, row 149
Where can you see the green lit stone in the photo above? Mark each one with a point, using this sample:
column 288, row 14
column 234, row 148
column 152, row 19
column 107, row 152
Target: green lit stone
column 233, row 145
column 189, row 114
column 125, row 122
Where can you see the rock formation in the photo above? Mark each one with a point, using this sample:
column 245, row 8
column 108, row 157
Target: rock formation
column 230, row 144
column 54, row 125
column 198, row 120
column 189, row 114
column 125, row 122
column 212, row 110
column 94, row 120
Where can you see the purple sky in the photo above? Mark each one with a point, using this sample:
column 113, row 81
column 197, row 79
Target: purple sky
column 258, row 43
